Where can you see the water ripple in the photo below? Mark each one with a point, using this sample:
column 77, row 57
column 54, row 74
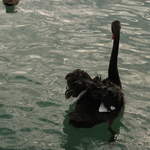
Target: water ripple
column 6, row 131
column 26, row 109
column 6, row 116
column 46, row 104
column 48, row 121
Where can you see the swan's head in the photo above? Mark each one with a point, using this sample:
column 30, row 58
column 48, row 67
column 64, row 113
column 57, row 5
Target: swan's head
column 77, row 81
column 115, row 27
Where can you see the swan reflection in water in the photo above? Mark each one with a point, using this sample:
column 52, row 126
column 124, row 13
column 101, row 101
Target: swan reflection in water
column 99, row 135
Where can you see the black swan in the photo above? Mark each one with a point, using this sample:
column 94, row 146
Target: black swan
column 10, row 5
column 10, row 2
column 97, row 100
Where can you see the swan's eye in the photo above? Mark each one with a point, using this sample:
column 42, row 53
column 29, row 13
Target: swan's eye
column 112, row 107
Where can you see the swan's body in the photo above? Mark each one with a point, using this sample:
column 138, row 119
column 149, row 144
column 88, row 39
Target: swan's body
column 98, row 100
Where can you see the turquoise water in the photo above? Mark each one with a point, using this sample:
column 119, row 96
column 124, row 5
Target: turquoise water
column 44, row 41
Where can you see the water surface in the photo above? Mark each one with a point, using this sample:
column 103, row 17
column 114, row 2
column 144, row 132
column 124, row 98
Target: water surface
column 44, row 41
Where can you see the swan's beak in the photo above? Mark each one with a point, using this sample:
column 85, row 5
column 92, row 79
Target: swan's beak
column 113, row 36
column 102, row 108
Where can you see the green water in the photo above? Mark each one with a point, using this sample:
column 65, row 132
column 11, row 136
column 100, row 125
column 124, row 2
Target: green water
column 44, row 41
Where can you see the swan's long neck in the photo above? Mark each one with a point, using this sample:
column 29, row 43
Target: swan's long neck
column 113, row 73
